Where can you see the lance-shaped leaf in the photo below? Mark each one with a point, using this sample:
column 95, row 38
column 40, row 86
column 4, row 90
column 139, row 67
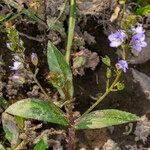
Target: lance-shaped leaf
column 11, row 129
column 3, row 103
column 2, row 147
column 41, row 145
column 104, row 118
column 39, row 110
column 143, row 10
column 59, row 66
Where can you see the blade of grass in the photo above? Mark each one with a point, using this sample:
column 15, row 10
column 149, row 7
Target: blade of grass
column 12, row 18
column 72, row 20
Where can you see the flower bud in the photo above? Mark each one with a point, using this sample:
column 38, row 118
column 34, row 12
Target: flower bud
column 34, row 59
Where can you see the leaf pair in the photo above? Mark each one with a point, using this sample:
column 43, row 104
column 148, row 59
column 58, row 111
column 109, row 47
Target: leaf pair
column 44, row 111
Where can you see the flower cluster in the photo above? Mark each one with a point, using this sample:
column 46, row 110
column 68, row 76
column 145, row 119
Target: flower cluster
column 137, row 39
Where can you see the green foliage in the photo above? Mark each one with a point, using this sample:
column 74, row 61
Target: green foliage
column 20, row 122
column 120, row 86
column 11, row 129
column 3, row 17
column 58, row 65
column 72, row 20
column 38, row 109
column 128, row 20
column 143, row 11
column 104, row 118
column 108, row 73
column 142, row 2
column 106, row 61
column 2, row 147
column 41, row 145
column 79, row 61
column 15, row 44
column 3, row 103
column 122, row 2
column 14, row 4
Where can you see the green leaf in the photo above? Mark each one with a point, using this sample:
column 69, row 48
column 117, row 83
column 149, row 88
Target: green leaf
column 104, row 118
column 3, row 17
column 122, row 2
column 2, row 147
column 20, row 122
column 58, row 65
column 14, row 4
column 41, row 145
column 143, row 10
column 106, row 61
column 11, row 129
column 3, row 103
column 120, row 86
column 38, row 109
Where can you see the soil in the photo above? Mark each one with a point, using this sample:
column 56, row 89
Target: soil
column 131, row 99
column 92, row 85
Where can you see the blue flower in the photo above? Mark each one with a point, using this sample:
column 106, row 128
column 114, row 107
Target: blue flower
column 123, row 65
column 138, row 42
column 116, row 38
column 138, row 30
column 17, row 65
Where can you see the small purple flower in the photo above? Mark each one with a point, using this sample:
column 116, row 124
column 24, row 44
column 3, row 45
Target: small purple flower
column 116, row 38
column 15, row 77
column 138, row 30
column 123, row 65
column 18, row 79
column 34, row 58
column 138, row 42
column 17, row 65
column 33, row 55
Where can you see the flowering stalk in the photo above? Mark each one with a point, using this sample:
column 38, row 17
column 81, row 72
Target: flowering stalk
column 104, row 95
column 37, row 82
column 69, row 107
column 118, row 39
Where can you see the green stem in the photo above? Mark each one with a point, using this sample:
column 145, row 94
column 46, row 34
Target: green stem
column 39, row 85
column 72, row 20
column 105, row 94
column 107, row 84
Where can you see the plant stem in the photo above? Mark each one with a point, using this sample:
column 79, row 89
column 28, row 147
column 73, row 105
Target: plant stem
column 37, row 82
column 107, row 84
column 72, row 19
column 105, row 94
column 71, row 134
